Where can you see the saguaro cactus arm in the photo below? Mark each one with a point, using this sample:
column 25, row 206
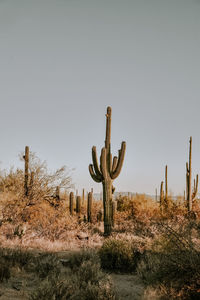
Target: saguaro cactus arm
column 114, row 165
column 196, row 182
column 93, row 175
column 120, row 161
column 103, row 164
column 95, row 163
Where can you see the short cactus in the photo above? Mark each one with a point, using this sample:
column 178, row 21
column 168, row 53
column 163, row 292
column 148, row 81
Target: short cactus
column 78, row 205
column 89, row 207
column 71, row 203
column 108, row 171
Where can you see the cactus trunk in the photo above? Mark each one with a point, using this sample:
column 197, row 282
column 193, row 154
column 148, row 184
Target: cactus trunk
column 26, row 175
column 107, row 203
column 89, row 207
column 78, row 205
column 189, row 178
column 71, row 203
column 161, row 196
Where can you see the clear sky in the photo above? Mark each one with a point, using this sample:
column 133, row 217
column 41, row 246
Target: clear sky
column 62, row 62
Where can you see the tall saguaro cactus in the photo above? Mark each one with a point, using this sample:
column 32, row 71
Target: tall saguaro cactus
column 166, row 188
column 26, row 174
column 108, row 171
column 190, row 195
column 189, row 178
column 161, row 196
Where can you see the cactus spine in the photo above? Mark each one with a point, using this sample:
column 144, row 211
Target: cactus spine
column 109, row 170
column 71, row 203
column 26, row 175
column 89, row 207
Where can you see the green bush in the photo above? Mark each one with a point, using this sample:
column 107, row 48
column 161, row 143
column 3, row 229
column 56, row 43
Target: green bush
column 118, row 255
column 84, row 280
column 45, row 264
column 77, row 258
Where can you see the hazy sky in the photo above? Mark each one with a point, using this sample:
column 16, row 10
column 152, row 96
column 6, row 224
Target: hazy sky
column 63, row 62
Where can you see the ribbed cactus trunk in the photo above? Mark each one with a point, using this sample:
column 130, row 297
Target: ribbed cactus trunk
column 83, row 197
column 30, row 190
column 166, row 189
column 78, row 205
column 26, row 174
column 71, row 203
column 189, row 178
column 108, row 171
column 161, row 196
column 107, row 205
column 113, row 212
column 89, row 207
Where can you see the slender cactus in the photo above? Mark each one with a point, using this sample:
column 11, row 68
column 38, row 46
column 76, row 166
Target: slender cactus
column 190, row 195
column 189, row 178
column 78, row 205
column 161, row 196
column 166, row 189
column 26, row 173
column 107, row 171
column 89, row 207
column 83, row 197
column 71, row 203
column 30, row 190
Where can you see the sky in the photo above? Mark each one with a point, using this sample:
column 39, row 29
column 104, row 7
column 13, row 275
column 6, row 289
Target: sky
column 62, row 62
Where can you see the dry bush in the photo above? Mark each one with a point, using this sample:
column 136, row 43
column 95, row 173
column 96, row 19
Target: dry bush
column 44, row 184
column 174, row 261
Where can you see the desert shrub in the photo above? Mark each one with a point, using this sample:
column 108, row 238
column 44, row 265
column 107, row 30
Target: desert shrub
column 173, row 262
column 4, row 270
column 118, row 255
column 84, row 280
column 15, row 257
column 45, row 264
column 78, row 257
column 43, row 188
